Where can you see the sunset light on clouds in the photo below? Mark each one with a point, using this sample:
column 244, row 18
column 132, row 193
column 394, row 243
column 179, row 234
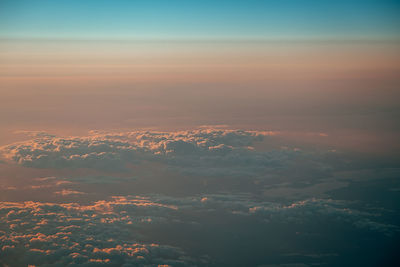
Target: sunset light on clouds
column 199, row 133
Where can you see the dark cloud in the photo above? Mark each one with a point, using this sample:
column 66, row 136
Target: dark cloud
column 105, row 232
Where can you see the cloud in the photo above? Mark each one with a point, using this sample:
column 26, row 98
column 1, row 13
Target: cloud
column 47, row 183
column 205, row 151
column 35, row 133
column 111, row 231
column 73, row 152
column 297, row 212
column 67, row 192
column 61, row 234
column 106, row 231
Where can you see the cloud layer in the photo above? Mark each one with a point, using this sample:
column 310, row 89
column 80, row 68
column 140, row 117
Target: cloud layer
column 244, row 201
column 105, row 232
column 49, row 234
column 202, row 151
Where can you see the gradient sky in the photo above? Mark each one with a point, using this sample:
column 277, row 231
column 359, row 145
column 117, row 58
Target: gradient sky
column 287, row 65
column 199, row 19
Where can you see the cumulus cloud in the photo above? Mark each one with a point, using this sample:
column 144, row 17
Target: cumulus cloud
column 203, row 151
column 105, row 232
column 73, row 152
column 111, row 231
column 41, row 234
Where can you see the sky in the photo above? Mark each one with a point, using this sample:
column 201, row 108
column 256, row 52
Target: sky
column 199, row 19
column 199, row 133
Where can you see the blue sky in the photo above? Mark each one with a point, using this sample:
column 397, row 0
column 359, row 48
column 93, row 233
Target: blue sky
column 199, row 19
